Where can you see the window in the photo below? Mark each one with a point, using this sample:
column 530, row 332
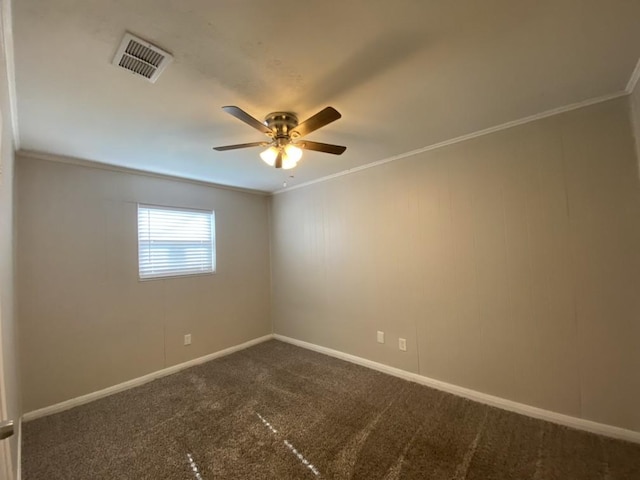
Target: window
column 174, row 242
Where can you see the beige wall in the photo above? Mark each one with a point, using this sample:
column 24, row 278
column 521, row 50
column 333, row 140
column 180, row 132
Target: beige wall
column 86, row 322
column 510, row 263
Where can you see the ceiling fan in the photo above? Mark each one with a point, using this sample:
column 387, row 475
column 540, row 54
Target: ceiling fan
column 284, row 132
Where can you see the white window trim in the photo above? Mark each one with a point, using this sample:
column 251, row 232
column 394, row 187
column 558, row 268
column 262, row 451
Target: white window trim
column 177, row 275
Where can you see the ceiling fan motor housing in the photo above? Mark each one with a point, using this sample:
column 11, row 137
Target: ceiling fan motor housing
column 282, row 124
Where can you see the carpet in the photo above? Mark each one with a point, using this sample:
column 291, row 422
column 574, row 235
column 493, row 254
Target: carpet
column 276, row 411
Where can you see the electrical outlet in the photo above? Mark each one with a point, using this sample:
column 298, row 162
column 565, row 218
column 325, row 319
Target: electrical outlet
column 380, row 337
column 187, row 339
column 402, row 344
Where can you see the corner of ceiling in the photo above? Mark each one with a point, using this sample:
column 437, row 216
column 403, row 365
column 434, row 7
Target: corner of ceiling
column 631, row 84
column 469, row 136
column 83, row 162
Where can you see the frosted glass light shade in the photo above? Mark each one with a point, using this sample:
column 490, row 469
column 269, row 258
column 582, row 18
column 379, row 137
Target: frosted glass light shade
column 293, row 152
column 269, row 156
column 287, row 162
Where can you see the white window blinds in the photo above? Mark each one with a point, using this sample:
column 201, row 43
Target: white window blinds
column 173, row 242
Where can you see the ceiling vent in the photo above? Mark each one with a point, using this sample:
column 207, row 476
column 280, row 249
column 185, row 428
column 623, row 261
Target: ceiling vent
column 141, row 58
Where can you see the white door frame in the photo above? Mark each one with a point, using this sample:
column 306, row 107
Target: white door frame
column 6, row 468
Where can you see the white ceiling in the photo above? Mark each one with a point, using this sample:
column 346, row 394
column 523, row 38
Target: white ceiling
column 404, row 74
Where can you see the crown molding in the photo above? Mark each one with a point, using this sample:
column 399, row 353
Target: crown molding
column 462, row 138
column 50, row 157
column 633, row 80
column 7, row 45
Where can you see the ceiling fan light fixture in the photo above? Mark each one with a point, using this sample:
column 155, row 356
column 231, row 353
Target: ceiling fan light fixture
column 290, row 156
column 283, row 128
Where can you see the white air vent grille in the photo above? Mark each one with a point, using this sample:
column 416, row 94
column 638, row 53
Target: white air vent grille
column 141, row 58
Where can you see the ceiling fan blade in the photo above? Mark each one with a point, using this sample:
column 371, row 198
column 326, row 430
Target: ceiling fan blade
column 279, row 160
column 319, row 120
column 248, row 119
column 322, row 147
column 240, row 145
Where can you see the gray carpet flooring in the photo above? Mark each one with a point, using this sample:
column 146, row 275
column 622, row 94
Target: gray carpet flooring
column 275, row 411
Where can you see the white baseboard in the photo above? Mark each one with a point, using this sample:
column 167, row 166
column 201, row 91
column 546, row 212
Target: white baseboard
column 74, row 402
column 558, row 418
